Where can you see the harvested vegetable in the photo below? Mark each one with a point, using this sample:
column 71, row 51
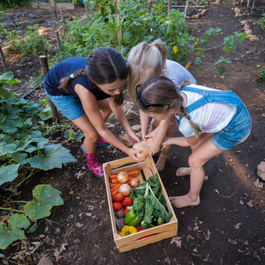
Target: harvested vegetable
column 134, row 182
column 142, row 229
column 144, row 149
column 120, row 223
column 160, row 221
column 127, row 230
column 148, row 202
column 133, row 173
column 126, row 210
column 114, row 181
column 119, row 214
column 118, row 197
column 125, row 189
column 117, row 206
column 113, row 176
column 122, row 177
column 146, row 225
column 131, row 218
column 127, row 201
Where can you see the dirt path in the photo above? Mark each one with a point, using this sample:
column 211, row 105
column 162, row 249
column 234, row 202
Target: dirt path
column 222, row 229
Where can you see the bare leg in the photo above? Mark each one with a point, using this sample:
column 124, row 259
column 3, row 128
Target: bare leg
column 196, row 161
column 160, row 164
column 91, row 135
column 185, row 171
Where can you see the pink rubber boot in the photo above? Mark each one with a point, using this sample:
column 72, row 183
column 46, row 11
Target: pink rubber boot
column 101, row 142
column 93, row 164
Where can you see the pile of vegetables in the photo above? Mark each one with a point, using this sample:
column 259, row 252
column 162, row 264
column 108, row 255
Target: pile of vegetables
column 142, row 205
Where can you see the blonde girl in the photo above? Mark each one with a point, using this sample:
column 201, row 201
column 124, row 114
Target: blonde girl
column 86, row 91
column 212, row 121
column 149, row 60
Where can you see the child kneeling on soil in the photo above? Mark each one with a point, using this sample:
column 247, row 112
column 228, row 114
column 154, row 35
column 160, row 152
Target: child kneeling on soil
column 86, row 91
column 146, row 61
column 212, row 121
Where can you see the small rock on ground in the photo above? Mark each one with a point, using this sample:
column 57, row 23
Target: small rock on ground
column 45, row 261
column 261, row 170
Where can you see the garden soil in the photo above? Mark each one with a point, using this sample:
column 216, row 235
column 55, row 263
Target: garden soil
column 228, row 225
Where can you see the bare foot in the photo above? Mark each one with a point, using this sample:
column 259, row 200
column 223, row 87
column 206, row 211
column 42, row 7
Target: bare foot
column 183, row 171
column 184, row 201
column 160, row 164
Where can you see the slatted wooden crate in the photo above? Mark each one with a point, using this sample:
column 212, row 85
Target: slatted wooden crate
column 161, row 232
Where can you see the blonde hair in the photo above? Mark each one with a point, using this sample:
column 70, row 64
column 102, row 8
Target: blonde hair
column 145, row 61
column 161, row 90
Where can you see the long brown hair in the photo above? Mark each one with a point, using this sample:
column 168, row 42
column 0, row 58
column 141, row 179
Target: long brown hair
column 145, row 61
column 161, row 90
column 104, row 65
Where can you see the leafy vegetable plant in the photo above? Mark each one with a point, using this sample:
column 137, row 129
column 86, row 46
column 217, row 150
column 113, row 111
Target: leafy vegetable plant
column 45, row 198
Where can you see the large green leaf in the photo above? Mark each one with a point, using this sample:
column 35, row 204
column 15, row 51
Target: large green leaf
column 9, row 126
column 8, row 173
column 55, row 156
column 46, row 197
column 20, row 158
column 12, row 233
column 6, row 76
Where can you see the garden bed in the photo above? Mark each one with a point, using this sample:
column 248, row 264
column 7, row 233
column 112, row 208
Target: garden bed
column 226, row 228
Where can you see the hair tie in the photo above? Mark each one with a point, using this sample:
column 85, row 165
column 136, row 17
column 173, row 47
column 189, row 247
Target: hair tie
column 154, row 43
column 72, row 76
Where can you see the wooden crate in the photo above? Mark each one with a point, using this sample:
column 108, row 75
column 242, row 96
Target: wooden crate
column 163, row 231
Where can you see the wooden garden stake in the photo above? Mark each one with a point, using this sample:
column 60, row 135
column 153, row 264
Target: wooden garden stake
column 149, row 4
column 58, row 40
column 53, row 6
column 118, row 23
column 63, row 21
column 45, row 69
column 3, row 58
column 169, row 6
column 186, row 10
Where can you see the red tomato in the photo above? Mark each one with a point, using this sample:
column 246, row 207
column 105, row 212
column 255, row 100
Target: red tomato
column 127, row 201
column 118, row 197
column 126, row 211
column 117, row 206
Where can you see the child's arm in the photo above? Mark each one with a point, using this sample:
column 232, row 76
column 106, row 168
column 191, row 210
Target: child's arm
column 181, row 141
column 120, row 115
column 144, row 118
column 91, row 108
column 161, row 131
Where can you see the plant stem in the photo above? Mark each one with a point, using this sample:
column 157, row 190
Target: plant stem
column 30, row 175
column 10, row 209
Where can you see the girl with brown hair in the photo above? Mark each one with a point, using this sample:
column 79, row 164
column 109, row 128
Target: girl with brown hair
column 212, row 121
column 86, row 91
column 146, row 61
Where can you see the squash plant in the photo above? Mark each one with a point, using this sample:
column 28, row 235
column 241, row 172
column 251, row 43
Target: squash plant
column 24, row 150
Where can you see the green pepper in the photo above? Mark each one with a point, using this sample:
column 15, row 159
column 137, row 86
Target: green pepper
column 131, row 218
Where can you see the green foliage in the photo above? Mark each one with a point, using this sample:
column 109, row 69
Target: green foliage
column 138, row 25
column 30, row 44
column 8, row 4
column 260, row 79
column 21, row 144
column 261, row 22
column 46, row 197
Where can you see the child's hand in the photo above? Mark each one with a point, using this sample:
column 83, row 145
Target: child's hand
column 132, row 153
column 152, row 134
column 166, row 142
column 133, row 137
column 153, row 148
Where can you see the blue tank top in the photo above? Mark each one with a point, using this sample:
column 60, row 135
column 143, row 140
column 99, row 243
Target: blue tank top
column 64, row 69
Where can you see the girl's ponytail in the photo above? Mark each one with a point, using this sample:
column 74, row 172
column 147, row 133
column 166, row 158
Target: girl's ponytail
column 161, row 46
column 194, row 126
column 66, row 81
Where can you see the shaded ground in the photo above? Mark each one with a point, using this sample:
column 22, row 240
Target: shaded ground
column 222, row 229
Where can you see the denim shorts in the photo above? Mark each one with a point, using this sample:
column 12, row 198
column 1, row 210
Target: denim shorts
column 236, row 132
column 70, row 107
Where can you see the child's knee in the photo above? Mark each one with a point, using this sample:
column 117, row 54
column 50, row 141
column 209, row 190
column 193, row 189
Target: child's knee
column 92, row 136
column 194, row 161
